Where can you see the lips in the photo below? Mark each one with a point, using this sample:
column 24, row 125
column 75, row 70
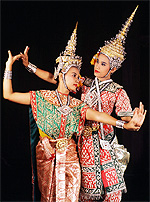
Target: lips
column 75, row 85
column 97, row 71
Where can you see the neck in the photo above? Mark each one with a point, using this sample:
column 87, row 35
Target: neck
column 103, row 82
column 104, row 79
column 100, row 79
column 61, row 89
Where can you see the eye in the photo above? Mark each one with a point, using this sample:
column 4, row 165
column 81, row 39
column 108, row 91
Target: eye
column 103, row 64
column 74, row 74
column 97, row 60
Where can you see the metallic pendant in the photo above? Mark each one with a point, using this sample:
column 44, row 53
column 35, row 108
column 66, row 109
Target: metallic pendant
column 61, row 144
column 105, row 144
column 91, row 98
column 65, row 110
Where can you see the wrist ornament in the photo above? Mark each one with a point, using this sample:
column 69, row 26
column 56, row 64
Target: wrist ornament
column 120, row 124
column 7, row 74
column 31, row 68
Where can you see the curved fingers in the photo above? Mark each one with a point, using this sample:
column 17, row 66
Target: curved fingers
column 26, row 51
column 12, row 59
column 9, row 54
column 141, row 108
column 16, row 57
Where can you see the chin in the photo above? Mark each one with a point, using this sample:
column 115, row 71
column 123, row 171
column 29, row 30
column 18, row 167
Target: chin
column 97, row 74
column 74, row 89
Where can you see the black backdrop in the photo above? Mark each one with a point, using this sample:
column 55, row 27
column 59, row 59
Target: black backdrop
column 46, row 26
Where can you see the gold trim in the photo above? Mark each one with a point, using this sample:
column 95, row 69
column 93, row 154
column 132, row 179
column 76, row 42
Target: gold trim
column 61, row 144
column 95, row 128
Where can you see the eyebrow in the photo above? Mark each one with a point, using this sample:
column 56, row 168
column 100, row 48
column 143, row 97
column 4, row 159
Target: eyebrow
column 104, row 62
column 74, row 73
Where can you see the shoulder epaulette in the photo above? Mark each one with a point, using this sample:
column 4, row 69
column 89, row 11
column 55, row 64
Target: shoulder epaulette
column 88, row 82
column 112, row 87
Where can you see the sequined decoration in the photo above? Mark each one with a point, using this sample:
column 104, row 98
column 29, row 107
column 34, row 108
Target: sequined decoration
column 64, row 109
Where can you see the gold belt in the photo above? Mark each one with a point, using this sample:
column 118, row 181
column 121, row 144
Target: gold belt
column 59, row 144
column 95, row 128
column 87, row 131
column 62, row 144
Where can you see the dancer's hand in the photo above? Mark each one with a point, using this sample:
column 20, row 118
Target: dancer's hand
column 11, row 59
column 24, row 56
column 137, row 119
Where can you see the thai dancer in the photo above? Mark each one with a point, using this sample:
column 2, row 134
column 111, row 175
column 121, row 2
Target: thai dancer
column 87, row 133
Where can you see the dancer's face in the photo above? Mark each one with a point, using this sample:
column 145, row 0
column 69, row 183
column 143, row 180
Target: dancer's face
column 102, row 67
column 72, row 78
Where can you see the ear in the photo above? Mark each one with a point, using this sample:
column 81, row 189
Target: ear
column 60, row 75
column 113, row 70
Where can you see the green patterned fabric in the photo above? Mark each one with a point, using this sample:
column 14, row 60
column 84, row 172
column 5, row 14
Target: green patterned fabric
column 49, row 119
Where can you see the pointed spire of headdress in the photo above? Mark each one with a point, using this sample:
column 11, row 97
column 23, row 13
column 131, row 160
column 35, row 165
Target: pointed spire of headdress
column 68, row 57
column 125, row 28
column 71, row 47
column 114, row 48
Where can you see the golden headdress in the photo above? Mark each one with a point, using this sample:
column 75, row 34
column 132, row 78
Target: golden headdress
column 68, row 58
column 114, row 48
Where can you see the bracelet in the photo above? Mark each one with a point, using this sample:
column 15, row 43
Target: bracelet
column 120, row 124
column 7, row 74
column 125, row 113
column 31, row 68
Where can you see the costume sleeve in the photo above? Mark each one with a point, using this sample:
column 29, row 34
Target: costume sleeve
column 122, row 105
column 83, row 111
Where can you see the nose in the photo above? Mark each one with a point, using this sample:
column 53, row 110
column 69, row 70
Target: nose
column 96, row 64
column 95, row 67
column 77, row 80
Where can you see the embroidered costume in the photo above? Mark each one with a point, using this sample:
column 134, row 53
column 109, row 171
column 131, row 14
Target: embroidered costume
column 101, row 169
column 58, row 166
column 103, row 161
column 59, row 118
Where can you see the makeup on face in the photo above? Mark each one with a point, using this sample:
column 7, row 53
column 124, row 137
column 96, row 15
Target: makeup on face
column 101, row 67
column 72, row 78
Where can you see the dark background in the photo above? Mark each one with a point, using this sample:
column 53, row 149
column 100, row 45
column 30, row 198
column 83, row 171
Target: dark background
column 46, row 26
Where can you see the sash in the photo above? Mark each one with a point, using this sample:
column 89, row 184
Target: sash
column 34, row 138
column 100, row 169
column 58, row 170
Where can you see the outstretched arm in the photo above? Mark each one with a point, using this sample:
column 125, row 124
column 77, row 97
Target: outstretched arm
column 22, row 98
column 45, row 75
column 134, row 124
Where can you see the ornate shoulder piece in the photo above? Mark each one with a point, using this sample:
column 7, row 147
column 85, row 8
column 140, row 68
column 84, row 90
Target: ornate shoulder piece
column 112, row 87
column 88, row 82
